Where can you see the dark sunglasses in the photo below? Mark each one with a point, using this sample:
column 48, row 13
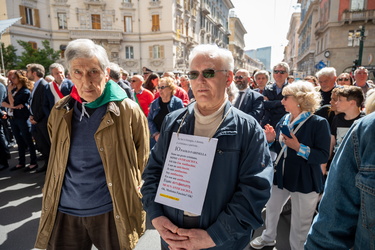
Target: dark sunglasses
column 207, row 73
column 163, row 87
column 238, row 77
column 343, row 79
column 286, row 97
column 279, row 71
column 134, row 80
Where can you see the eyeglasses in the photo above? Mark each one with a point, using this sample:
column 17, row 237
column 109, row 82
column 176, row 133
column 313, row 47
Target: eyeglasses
column 134, row 81
column 279, row 71
column 163, row 87
column 207, row 73
column 238, row 77
column 286, row 97
column 343, row 79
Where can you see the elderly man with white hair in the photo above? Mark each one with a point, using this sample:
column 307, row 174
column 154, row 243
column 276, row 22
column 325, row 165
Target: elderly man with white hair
column 241, row 172
column 99, row 147
column 327, row 80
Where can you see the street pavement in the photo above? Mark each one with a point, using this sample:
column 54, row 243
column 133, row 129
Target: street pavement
column 20, row 205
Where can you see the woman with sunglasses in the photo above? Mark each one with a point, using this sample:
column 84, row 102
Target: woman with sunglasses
column 297, row 167
column 161, row 106
column 17, row 102
column 344, row 79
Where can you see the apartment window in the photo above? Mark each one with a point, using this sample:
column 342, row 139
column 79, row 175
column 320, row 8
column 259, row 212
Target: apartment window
column 61, row 17
column 29, row 16
column 156, row 51
column 357, row 4
column 95, row 21
column 129, row 52
column 128, row 25
column 34, row 45
column 155, row 23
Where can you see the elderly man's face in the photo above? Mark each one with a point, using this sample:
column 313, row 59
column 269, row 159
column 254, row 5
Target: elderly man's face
column 58, row 74
column 280, row 74
column 88, row 77
column 136, row 83
column 327, row 82
column 241, row 80
column 209, row 92
column 361, row 76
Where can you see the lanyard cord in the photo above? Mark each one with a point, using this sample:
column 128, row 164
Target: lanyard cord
column 222, row 120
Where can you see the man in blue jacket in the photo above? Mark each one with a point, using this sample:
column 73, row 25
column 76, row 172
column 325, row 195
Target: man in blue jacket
column 248, row 100
column 346, row 212
column 241, row 175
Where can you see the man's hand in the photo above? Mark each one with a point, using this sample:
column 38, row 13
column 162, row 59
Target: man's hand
column 32, row 120
column 196, row 239
column 166, row 229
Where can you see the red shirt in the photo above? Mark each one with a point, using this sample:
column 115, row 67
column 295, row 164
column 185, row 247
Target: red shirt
column 144, row 100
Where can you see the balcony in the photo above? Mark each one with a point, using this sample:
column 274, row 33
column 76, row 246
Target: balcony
column 89, row 3
column 112, row 35
column 127, row 5
column 360, row 15
column 205, row 9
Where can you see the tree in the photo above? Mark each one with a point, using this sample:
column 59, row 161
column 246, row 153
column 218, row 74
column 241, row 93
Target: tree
column 9, row 57
column 45, row 56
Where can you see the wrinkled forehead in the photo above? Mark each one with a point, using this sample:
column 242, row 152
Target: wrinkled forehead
column 206, row 61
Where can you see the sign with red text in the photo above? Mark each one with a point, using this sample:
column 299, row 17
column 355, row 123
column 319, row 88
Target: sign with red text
column 186, row 172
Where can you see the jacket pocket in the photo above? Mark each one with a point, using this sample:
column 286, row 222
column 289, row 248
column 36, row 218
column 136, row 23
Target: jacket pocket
column 366, row 183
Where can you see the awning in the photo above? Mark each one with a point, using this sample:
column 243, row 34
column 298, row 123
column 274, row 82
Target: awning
column 4, row 24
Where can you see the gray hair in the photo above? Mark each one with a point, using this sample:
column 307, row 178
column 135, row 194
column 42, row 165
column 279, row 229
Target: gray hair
column 86, row 48
column 54, row 66
column 360, row 69
column 247, row 73
column 139, row 77
column 213, row 51
column 284, row 65
column 115, row 71
column 262, row 72
column 327, row 71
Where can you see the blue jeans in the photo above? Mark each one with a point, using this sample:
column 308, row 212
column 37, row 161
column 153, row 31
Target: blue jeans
column 22, row 132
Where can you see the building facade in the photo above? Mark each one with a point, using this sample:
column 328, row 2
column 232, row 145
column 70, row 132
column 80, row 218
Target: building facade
column 291, row 50
column 335, row 33
column 157, row 34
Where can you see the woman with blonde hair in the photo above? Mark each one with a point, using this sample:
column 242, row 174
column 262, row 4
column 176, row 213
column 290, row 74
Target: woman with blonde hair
column 161, row 106
column 17, row 102
column 301, row 141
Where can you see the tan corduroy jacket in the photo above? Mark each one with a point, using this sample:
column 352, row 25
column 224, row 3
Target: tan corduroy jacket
column 122, row 140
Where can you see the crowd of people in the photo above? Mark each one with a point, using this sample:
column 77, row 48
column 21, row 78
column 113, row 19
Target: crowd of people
column 104, row 137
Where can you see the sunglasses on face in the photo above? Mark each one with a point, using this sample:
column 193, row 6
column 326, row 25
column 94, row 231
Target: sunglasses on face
column 279, row 71
column 163, row 87
column 207, row 73
column 343, row 79
column 134, row 80
column 238, row 77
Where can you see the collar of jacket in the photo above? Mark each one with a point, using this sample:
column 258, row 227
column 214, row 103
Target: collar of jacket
column 68, row 103
column 227, row 127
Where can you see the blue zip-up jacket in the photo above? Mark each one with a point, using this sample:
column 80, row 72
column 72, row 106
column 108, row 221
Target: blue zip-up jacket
column 239, row 184
column 174, row 104
column 346, row 218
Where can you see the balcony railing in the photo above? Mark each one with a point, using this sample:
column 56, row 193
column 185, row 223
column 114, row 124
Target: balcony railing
column 364, row 15
column 96, row 34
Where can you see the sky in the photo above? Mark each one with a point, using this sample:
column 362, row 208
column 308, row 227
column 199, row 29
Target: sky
column 266, row 23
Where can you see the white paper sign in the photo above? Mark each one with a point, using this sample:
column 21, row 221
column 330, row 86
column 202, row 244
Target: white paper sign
column 186, row 172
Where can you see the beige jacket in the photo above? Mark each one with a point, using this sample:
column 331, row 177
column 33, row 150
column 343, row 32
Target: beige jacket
column 122, row 140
